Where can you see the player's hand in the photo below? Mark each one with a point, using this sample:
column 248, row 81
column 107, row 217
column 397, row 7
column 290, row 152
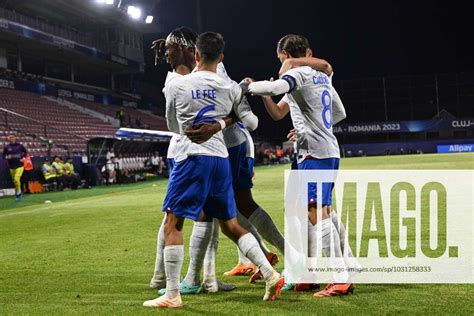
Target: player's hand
column 202, row 132
column 288, row 64
column 292, row 136
column 249, row 79
column 159, row 46
column 244, row 84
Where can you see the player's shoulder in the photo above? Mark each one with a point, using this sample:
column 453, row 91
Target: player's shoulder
column 221, row 71
column 202, row 75
column 299, row 71
column 173, row 80
column 171, row 76
column 180, row 82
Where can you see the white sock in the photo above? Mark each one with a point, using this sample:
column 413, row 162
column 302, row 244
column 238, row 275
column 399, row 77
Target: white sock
column 265, row 226
column 250, row 248
column 198, row 244
column 312, row 240
column 245, row 223
column 210, row 257
column 331, row 246
column 350, row 260
column 174, row 256
column 342, row 233
column 242, row 258
column 159, row 273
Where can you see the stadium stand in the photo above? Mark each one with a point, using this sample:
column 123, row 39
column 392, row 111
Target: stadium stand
column 147, row 119
column 39, row 120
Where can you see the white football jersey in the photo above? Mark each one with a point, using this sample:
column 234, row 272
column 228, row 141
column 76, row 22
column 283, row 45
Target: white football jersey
column 310, row 101
column 237, row 134
column 249, row 141
column 232, row 134
column 201, row 96
column 172, row 146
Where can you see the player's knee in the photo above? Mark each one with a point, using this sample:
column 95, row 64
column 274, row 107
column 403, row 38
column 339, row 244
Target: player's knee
column 173, row 223
column 315, row 215
column 245, row 203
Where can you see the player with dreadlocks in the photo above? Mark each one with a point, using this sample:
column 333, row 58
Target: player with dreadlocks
column 178, row 50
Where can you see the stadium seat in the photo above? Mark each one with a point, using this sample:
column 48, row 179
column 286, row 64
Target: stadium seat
column 43, row 110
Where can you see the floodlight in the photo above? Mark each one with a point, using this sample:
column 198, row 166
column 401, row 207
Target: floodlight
column 149, row 19
column 105, row 1
column 134, row 12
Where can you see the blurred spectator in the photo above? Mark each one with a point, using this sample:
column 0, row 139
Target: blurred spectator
column 121, row 172
column 110, row 154
column 158, row 166
column 49, row 173
column 109, row 171
column 73, row 179
column 269, row 154
column 25, row 178
column 14, row 153
column 138, row 122
column 120, row 116
column 58, row 165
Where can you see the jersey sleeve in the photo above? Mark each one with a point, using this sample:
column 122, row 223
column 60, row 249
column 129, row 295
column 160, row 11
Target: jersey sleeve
column 242, row 109
column 268, row 88
column 294, row 77
column 285, row 99
column 170, row 77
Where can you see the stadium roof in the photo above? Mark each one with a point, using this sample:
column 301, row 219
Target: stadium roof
column 80, row 13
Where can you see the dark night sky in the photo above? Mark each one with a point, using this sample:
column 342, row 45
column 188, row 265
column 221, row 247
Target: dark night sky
column 361, row 39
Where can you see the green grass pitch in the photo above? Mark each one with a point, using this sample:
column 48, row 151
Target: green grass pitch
column 93, row 251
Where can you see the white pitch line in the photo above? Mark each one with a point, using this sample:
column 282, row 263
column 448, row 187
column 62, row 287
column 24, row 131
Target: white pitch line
column 67, row 203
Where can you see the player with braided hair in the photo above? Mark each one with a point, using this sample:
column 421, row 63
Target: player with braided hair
column 178, row 50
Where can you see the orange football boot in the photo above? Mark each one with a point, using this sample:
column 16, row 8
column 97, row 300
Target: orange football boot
column 304, row 287
column 333, row 289
column 241, row 269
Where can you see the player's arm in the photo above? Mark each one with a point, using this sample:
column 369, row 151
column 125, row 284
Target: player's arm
column 292, row 80
column 23, row 152
column 266, row 87
column 170, row 114
column 338, row 110
column 278, row 110
column 243, row 111
column 5, row 153
column 313, row 62
column 202, row 132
